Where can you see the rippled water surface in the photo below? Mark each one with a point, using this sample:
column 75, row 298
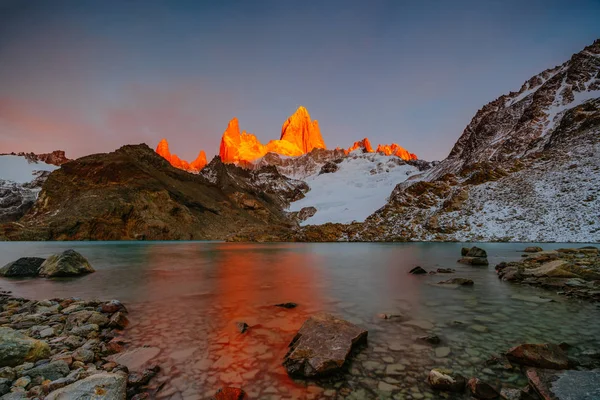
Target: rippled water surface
column 185, row 298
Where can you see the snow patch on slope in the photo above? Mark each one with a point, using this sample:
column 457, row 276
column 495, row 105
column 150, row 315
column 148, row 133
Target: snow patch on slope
column 360, row 186
column 19, row 170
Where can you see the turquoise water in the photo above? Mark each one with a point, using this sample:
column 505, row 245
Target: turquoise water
column 185, row 297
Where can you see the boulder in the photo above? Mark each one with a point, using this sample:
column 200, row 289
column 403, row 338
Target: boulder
column 474, row 261
column 565, row 385
column 118, row 320
column 53, row 370
column 25, row 266
column 476, row 252
column 16, row 348
column 230, row 393
column 322, row 346
column 104, row 385
column 482, row 390
column 445, row 380
column 112, row 306
column 548, row 355
column 464, row 251
column 533, row 249
column 417, row 271
column 67, row 263
column 457, row 281
column 328, row 168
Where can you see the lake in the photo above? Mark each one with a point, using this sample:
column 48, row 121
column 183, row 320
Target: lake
column 185, row 298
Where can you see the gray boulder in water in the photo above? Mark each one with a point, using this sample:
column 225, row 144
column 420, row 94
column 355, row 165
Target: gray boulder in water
column 322, row 346
column 67, row 263
column 24, row 266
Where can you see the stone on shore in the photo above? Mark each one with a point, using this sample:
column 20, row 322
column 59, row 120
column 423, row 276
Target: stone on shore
column 16, row 348
column 445, row 380
column 104, row 385
column 548, row 355
column 25, row 266
column 417, row 271
column 53, row 370
column 67, row 263
column 565, row 385
column 322, row 346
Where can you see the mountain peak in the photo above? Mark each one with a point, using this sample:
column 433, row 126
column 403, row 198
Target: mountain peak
column 364, row 144
column 301, row 131
column 163, row 150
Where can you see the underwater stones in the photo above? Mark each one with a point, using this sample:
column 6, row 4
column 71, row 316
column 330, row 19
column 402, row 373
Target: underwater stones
column 548, row 355
column 482, row 390
column 445, row 380
column 442, row 352
column 457, row 281
column 230, row 393
column 322, row 346
column 431, row 338
column 242, row 327
column 417, row 271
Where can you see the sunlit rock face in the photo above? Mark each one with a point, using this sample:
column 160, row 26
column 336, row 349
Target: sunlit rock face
column 364, row 144
column 396, row 150
column 301, row 131
column 195, row 166
column 299, row 135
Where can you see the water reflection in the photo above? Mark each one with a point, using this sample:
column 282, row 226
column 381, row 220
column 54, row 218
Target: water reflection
column 185, row 299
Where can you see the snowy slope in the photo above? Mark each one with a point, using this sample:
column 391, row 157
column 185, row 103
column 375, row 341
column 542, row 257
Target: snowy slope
column 19, row 170
column 358, row 188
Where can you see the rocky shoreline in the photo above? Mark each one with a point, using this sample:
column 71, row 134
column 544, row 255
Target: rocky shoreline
column 64, row 348
column 573, row 272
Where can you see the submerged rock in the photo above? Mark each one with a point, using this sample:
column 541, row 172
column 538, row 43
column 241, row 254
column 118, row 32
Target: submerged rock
column 242, row 327
column 417, row 271
column 287, row 305
column 322, row 346
column 104, row 385
column 230, row 393
column 16, row 348
column 482, row 390
column 24, row 266
column 445, row 380
column 474, row 261
column 547, row 355
column 67, row 263
column 457, row 281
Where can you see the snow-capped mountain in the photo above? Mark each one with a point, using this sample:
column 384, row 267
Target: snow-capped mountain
column 353, row 187
column 21, row 179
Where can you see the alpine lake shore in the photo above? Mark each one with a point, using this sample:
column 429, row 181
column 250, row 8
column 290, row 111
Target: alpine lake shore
column 74, row 348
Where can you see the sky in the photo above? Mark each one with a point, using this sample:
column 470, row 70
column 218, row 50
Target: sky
column 90, row 76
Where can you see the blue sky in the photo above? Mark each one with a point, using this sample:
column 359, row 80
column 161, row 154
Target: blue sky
column 90, row 76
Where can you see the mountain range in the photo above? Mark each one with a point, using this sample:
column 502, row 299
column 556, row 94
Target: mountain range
column 526, row 168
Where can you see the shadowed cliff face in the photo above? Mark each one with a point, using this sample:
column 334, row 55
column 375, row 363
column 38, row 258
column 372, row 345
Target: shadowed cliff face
column 133, row 193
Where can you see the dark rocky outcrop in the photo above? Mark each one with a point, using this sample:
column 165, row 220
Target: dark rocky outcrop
column 322, row 346
column 417, row 271
column 328, row 168
column 24, row 266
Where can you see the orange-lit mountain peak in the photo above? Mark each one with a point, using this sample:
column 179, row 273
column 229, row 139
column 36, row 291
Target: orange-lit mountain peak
column 163, row 150
column 301, row 131
column 396, row 150
column 364, row 144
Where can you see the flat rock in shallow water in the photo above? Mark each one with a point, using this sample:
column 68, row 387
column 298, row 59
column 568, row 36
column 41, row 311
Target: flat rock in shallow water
column 565, row 385
column 547, row 355
column 24, row 266
column 531, row 299
column 134, row 359
column 105, row 386
column 67, row 263
column 322, row 346
column 474, row 261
